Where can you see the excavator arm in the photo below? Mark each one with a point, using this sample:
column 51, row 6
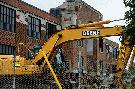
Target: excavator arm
column 75, row 33
column 124, row 55
column 84, row 31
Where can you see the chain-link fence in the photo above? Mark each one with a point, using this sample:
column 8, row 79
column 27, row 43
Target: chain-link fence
column 26, row 82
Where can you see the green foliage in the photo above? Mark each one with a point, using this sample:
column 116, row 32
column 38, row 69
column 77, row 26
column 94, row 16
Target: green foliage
column 130, row 15
column 132, row 70
column 129, row 73
column 130, row 20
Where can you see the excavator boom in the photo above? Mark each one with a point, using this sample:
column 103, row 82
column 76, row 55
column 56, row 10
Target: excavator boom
column 74, row 34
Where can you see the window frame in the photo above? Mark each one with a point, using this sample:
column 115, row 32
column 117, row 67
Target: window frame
column 7, row 49
column 50, row 30
column 32, row 30
column 79, row 43
column 7, row 19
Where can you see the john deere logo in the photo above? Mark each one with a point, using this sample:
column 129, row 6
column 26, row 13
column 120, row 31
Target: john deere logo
column 90, row 33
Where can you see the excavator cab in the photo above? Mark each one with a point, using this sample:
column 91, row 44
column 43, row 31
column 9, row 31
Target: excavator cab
column 33, row 52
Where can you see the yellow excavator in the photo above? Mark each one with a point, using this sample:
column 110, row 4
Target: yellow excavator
column 82, row 31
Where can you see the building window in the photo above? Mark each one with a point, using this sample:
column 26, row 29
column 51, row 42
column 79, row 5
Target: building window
column 113, row 68
column 50, row 30
column 67, row 65
column 101, row 44
column 7, row 50
column 34, row 27
column 115, row 53
column 107, row 48
column 90, row 46
column 110, row 48
column 7, row 18
column 101, row 65
column 80, row 43
column 107, row 51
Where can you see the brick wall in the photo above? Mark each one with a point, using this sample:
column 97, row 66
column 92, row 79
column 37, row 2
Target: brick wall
column 28, row 42
column 92, row 59
column 7, row 38
column 106, row 57
column 20, row 39
column 85, row 14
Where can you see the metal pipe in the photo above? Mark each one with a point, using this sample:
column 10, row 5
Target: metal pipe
column 79, row 69
column 95, row 23
column 54, row 75
column 14, row 86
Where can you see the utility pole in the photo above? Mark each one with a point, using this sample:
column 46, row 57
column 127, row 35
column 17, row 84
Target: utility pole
column 79, row 69
column 14, row 75
column 14, row 86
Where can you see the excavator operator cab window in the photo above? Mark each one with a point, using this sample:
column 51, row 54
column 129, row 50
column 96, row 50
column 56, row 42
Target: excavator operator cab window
column 31, row 53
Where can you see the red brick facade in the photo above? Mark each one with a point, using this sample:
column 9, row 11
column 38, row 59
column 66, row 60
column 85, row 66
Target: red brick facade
column 86, row 13
column 7, row 38
column 29, row 42
column 25, row 7
column 108, row 56
column 20, row 36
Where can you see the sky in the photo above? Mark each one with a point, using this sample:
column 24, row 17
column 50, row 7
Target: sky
column 111, row 9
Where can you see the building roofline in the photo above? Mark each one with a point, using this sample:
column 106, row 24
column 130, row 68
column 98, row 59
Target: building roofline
column 26, row 7
column 91, row 7
column 86, row 4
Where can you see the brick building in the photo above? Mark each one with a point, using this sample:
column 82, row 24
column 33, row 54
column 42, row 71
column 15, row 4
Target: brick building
column 102, row 55
column 24, row 26
column 74, row 12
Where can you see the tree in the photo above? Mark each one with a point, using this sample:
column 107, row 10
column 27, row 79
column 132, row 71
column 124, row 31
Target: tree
column 130, row 20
